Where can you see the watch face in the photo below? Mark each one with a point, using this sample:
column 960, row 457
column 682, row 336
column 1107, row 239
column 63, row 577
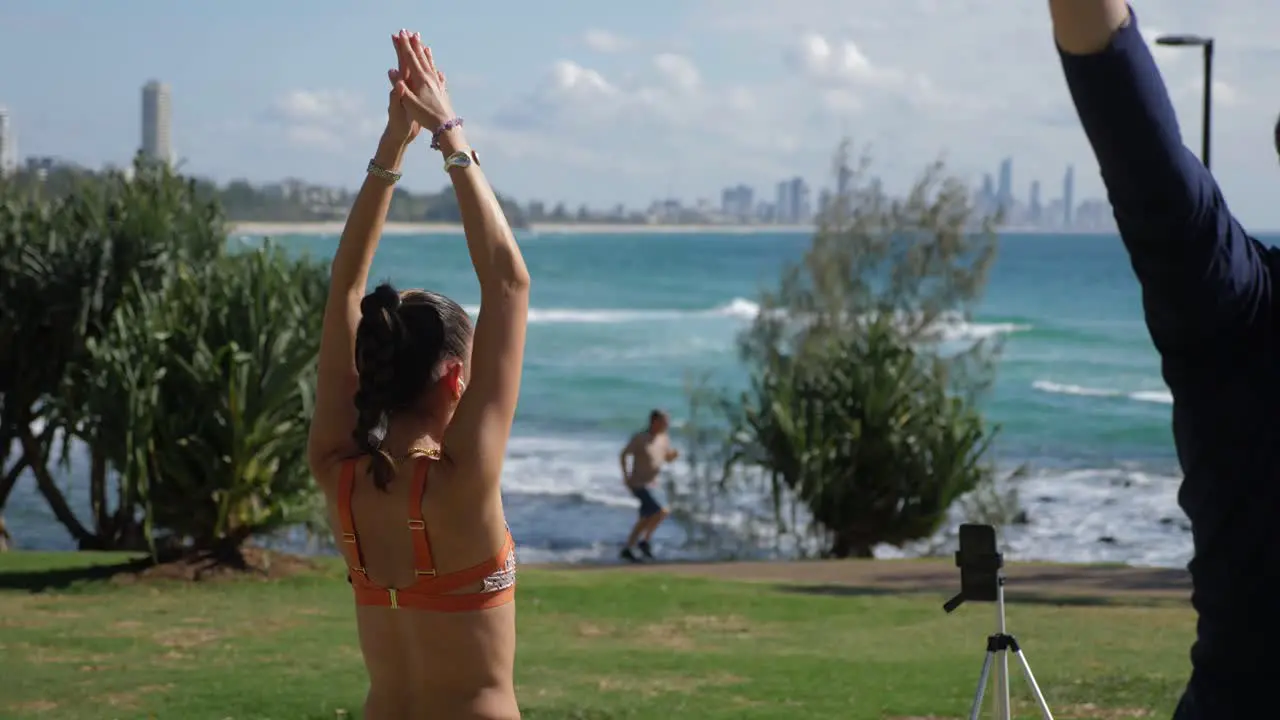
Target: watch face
column 459, row 159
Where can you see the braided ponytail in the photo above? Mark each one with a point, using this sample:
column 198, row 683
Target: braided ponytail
column 400, row 343
column 377, row 339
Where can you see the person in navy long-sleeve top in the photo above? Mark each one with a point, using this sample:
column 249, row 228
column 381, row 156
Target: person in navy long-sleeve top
column 1209, row 305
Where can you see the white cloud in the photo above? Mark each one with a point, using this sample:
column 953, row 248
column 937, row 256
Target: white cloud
column 679, row 71
column 603, row 41
column 755, row 90
column 325, row 120
column 845, row 74
column 622, row 120
column 572, row 79
column 819, row 57
column 980, row 80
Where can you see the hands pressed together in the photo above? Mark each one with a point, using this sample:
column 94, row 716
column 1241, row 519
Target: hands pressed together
column 419, row 93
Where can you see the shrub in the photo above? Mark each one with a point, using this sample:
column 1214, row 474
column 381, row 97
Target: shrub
column 185, row 370
column 66, row 266
column 201, row 396
column 856, row 409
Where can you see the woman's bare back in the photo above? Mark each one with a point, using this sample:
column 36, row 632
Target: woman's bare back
column 423, row 663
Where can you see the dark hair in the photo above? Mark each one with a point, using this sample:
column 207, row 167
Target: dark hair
column 656, row 415
column 400, row 342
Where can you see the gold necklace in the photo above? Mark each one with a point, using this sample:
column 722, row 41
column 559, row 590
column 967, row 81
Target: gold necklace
column 416, row 452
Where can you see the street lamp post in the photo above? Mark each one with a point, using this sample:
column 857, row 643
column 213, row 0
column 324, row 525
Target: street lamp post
column 1206, row 43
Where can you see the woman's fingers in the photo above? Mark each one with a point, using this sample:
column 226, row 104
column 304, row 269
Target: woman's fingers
column 443, row 83
column 431, row 60
column 402, row 59
column 423, row 55
column 416, row 68
column 400, row 91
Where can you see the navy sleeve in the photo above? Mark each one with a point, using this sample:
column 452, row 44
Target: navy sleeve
column 1202, row 276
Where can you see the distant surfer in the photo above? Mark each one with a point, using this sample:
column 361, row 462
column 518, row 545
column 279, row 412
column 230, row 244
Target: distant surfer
column 649, row 450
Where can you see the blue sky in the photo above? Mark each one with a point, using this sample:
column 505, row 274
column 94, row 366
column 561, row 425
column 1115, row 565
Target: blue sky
column 596, row 102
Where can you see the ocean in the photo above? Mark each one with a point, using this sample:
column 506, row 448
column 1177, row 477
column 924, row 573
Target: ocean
column 620, row 321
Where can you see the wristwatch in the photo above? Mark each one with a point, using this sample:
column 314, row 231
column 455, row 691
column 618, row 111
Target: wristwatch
column 461, row 159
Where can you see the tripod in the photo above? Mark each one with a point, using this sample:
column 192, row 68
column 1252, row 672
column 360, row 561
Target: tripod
column 982, row 581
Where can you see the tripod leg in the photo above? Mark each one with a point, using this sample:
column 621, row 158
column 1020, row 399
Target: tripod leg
column 1003, row 709
column 1035, row 687
column 976, row 709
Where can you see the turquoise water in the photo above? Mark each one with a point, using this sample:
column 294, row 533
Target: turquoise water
column 618, row 322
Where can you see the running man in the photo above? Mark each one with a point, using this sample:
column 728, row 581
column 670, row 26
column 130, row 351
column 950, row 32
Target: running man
column 649, row 450
column 1209, row 297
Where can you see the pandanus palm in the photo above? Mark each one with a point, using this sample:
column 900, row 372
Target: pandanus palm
column 860, row 430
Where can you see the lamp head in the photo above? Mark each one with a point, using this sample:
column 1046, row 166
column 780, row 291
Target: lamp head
column 1184, row 40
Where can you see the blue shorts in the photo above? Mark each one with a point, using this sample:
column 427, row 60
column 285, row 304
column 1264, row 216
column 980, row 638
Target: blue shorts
column 649, row 505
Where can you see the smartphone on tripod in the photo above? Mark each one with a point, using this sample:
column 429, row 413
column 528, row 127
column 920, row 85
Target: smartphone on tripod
column 981, row 580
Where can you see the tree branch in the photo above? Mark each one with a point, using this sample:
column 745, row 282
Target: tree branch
column 49, row 489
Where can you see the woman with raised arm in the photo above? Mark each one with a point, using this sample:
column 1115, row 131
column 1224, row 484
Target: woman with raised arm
column 413, row 413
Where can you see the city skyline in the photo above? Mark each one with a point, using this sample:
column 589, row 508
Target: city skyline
column 739, row 203
column 609, row 103
column 793, row 202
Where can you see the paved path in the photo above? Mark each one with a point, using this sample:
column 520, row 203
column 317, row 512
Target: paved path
column 1069, row 582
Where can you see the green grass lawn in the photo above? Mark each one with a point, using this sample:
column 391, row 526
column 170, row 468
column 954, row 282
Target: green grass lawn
column 593, row 645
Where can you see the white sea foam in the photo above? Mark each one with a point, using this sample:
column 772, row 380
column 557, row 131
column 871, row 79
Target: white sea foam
column 1092, row 515
column 1084, row 515
column 582, row 468
column 1163, row 397
column 949, row 328
column 735, row 308
column 1080, row 515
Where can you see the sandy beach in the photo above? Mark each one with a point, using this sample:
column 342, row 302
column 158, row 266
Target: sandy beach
column 396, row 228
column 334, row 227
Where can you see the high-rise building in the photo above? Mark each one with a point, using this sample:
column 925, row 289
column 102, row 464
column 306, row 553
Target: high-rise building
column 737, row 202
column 782, row 203
column 802, row 209
column 794, row 205
column 1068, row 195
column 8, row 145
column 1035, row 208
column 156, row 122
column 1004, row 193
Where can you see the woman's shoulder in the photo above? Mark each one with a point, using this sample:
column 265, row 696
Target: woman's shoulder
column 329, row 475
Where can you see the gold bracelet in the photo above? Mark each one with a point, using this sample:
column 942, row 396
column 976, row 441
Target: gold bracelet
column 382, row 173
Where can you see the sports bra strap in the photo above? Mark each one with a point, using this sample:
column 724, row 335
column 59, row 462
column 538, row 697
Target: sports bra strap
column 346, row 521
column 459, row 579
column 424, row 565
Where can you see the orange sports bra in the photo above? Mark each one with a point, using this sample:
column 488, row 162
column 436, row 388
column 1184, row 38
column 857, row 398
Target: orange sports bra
column 431, row 591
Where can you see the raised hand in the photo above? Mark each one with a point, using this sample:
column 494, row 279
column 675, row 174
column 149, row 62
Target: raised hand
column 423, row 88
column 400, row 123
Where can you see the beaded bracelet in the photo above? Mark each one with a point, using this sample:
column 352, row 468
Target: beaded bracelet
column 435, row 136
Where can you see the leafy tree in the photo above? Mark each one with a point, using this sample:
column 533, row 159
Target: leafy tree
column 857, row 408
column 199, row 397
column 66, row 265
column 184, row 370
